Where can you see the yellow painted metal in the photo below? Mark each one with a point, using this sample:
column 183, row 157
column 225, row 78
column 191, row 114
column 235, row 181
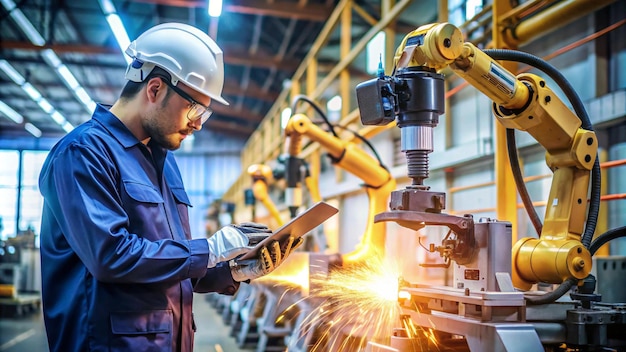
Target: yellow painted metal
column 552, row 261
column 250, row 153
column 355, row 160
column 261, row 177
column 359, row 46
column 523, row 102
column 344, row 77
column 506, row 194
column 551, row 18
column 7, row 290
column 313, row 180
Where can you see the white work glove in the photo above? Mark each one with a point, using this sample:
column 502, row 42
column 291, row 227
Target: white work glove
column 269, row 258
column 233, row 240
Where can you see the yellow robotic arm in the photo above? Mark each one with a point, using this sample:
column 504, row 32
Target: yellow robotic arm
column 353, row 159
column 523, row 102
column 261, row 176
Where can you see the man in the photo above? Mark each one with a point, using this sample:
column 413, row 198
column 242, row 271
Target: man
column 119, row 265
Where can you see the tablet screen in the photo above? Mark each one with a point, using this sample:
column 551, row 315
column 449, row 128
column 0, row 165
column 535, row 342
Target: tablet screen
column 297, row 227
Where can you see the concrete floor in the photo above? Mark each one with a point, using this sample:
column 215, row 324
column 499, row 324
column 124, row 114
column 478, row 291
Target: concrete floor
column 26, row 332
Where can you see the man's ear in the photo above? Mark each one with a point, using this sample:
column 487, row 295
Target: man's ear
column 152, row 88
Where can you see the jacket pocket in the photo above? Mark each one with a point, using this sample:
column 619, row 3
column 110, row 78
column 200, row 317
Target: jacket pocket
column 142, row 331
column 142, row 193
column 182, row 204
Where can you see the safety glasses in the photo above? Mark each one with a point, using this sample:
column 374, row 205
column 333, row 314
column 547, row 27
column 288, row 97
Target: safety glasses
column 197, row 111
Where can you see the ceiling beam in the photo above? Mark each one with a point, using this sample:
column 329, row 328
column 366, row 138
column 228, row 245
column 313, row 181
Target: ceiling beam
column 243, row 114
column 231, row 57
column 230, row 127
column 309, row 12
column 231, row 87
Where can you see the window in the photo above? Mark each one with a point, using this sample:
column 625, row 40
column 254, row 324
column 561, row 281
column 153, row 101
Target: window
column 460, row 12
column 8, row 192
column 20, row 200
column 31, row 201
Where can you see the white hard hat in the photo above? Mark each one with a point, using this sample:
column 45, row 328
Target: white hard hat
column 187, row 53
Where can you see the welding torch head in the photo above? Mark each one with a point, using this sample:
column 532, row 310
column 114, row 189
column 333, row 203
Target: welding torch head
column 414, row 97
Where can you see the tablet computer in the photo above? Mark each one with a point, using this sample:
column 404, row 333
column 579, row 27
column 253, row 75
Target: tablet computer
column 297, row 227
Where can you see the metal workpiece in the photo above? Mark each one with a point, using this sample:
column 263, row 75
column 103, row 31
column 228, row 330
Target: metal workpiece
column 602, row 325
column 417, row 199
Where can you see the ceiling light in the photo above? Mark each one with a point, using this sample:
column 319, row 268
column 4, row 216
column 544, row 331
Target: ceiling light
column 58, row 118
column 10, row 113
column 68, row 77
column 45, row 105
column 85, row 98
column 18, row 16
column 107, row 7
column 215, row 8
column 48, row 55
column 117, row 27
column 51, row 58
column 11, row 72
column 32, row 129
column 67, row 127
column 32, row 92
column 120, row 34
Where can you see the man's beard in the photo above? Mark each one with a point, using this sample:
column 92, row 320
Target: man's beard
column 155, row 129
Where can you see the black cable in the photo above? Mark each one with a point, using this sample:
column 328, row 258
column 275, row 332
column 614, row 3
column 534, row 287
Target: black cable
column 519, row 182
column 366, row 142
column 317, row 108
column 550, row 297
column 606, row 237
column 581, row 112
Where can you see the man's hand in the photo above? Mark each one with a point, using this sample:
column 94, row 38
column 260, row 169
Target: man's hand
column 233, row 240
column 270, row 257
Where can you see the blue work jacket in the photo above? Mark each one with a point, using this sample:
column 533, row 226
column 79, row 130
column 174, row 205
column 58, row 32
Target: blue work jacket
column 119, row 265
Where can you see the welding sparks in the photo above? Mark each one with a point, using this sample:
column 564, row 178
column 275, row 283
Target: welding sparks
column 354, row 305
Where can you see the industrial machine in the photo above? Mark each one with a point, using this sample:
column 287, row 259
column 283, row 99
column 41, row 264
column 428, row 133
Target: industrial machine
column 378, row 182
column 491, row 305
column 262, row 175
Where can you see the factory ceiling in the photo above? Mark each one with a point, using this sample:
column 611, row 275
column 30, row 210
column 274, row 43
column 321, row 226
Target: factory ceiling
column 263, row 41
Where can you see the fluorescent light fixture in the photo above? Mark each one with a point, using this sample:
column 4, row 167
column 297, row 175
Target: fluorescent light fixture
column 32, row 92
column 51, row 58
column 85, row 98
column 68, row 77
column 45, row 105
column 285, row 115
column 23, row 23
column 215, row 8
column 32, row 129
column 120, row 34
column 117, row 27
column 107, row 6
column 11, row 72
column 8, row 4
column 67, row 127
column 10, row 113
column 58, row 118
